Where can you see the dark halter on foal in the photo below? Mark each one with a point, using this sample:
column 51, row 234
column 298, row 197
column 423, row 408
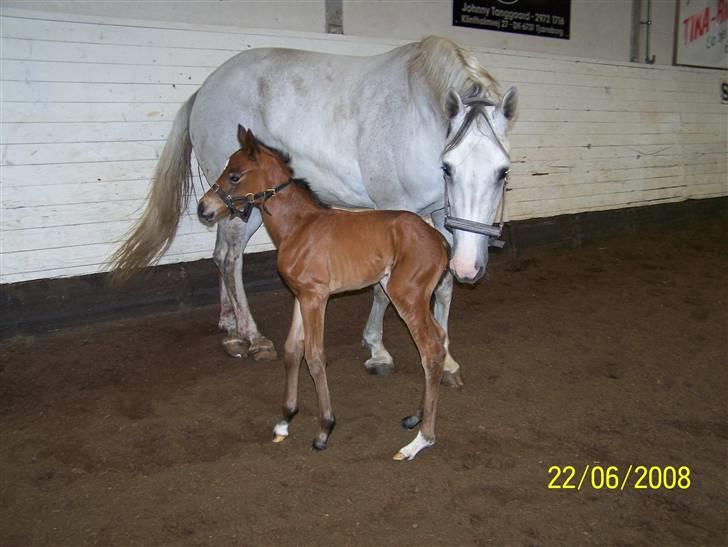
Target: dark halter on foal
column 250, row 200
column 477, row 107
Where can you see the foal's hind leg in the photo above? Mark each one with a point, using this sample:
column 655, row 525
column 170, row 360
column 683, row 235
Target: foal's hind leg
column 293, row 354
column 381, row 362
column 413, row 305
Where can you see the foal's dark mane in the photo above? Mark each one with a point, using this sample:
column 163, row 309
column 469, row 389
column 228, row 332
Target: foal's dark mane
column 301, row 183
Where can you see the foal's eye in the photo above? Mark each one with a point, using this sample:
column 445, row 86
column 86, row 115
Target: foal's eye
column 234, row 177
column 447, row 169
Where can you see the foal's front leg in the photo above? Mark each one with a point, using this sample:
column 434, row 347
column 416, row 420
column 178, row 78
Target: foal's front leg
column 293, row 354
column 235, row 317
column 313, row 310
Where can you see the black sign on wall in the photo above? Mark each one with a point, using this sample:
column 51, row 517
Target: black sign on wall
column 547, row 18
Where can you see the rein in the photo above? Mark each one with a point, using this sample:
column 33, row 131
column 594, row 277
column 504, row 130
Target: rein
column 250, row 200
column 494, row 232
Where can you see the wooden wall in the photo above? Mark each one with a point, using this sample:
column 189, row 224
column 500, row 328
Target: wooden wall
column 87, row 103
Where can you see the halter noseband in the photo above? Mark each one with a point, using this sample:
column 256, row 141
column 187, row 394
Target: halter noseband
column 477, row 107
column 250, row 200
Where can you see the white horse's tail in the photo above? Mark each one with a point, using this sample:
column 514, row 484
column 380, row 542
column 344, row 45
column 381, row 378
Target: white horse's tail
column 154, row 232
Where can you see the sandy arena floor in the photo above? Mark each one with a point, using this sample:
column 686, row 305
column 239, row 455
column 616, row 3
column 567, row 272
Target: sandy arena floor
column 143, row 432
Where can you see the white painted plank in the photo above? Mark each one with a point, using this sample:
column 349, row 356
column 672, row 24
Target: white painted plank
column 70, row 71
column 614, row 139
column 606, row 152
column 77, row 173
column 47, row 133
column 96, row 92
column 634, row 161
column 41, row 154
column 49, row 112
column 528, row 127
column 516, row 76
column 535, row 112
column 36, row 50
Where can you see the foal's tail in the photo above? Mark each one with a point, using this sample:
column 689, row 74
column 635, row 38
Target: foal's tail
column 154, row 232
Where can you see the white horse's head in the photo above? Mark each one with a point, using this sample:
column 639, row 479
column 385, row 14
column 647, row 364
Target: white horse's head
column 475, row 163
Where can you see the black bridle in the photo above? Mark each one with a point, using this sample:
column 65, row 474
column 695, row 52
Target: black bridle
column 494, row 232
column 250, row 200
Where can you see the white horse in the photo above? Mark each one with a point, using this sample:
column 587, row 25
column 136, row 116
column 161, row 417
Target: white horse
column 368, row 132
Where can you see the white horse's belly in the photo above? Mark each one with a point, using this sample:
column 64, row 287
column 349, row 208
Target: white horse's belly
column 338, row 185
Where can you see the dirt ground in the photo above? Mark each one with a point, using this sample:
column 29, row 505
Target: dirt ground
column 143, row 432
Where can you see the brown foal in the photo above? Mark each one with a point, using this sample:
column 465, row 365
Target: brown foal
column 323, row 251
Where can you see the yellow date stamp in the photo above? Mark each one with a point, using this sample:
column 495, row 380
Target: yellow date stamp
column 612, row 477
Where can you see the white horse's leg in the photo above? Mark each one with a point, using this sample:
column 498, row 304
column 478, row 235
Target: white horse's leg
column 381, row 362
column 243, row 336
column 227, row 313
column 443, row 298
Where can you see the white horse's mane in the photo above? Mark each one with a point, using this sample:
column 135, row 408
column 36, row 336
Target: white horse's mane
column 443, row 64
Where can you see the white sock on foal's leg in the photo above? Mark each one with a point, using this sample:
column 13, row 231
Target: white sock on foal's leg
column 280, row 431
column 410, row 451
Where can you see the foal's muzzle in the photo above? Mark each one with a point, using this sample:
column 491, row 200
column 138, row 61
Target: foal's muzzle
column 203, row 214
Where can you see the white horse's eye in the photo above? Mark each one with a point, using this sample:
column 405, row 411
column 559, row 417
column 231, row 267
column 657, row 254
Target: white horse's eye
column 447, row 169
column 503, row 173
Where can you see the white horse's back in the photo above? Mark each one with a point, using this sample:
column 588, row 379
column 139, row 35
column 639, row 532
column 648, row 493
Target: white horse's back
column 308, row 104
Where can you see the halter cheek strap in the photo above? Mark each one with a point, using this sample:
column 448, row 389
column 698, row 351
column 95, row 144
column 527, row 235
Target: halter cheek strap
column 250, row 200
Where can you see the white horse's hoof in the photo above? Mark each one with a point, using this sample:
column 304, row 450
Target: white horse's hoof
column 262, row 349
column 407, row 453
column 380, row 363
column 452, row 379
column 379, row 368
column 235, row 347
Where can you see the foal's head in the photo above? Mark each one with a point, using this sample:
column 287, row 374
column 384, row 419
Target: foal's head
column 253, row 168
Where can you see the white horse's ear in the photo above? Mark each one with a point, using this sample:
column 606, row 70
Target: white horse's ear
column 453, row 103
column 509, row 104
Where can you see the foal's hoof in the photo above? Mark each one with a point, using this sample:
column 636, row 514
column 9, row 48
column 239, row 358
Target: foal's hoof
column 235, row 347
column 453, row 379
column 318, row 444
column 262, row 349
column 410, row 422
column 279, row 438
column 407, row 453
column 379, row 369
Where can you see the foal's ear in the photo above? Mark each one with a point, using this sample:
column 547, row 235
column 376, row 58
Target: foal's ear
column 453, row 103
column 251, row 144
column 248, row 142
column 509, row 104
column 241, row 135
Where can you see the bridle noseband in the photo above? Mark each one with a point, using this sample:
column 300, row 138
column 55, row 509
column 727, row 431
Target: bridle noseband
column 477, row 107
column 250, row 200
